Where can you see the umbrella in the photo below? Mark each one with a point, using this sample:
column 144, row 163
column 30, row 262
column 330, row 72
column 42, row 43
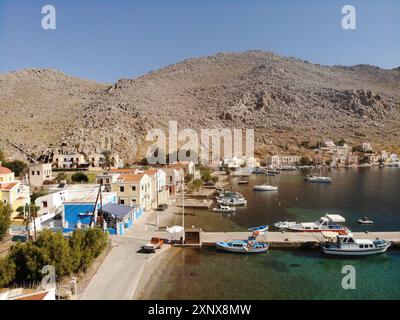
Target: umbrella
column 174, row 229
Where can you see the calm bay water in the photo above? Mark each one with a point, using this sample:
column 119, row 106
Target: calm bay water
column 294, row 274
column 354, row 193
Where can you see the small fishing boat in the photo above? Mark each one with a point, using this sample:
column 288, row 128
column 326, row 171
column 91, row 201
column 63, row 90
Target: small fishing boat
column 346, row 245
column 327, row 223
column 243, row 182
column 259, row 229
column 265, row 187
column 318, row 179
column 365, row 220
column 223, row 209
column 284, row 224
column 243, row 246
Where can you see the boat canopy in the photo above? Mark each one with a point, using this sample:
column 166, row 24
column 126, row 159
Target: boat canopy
column 335, row 218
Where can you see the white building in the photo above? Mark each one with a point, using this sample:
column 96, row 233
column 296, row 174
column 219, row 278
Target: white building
column 366, row 147
column 68, row 161
column 40, row 173
column 277, row 161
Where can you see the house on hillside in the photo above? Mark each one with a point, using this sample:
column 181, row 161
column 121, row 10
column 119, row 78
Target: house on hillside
column 159, row 188
column 39, row 173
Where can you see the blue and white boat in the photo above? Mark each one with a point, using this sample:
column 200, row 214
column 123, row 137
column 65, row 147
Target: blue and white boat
column 243, row 246
column 259, row 229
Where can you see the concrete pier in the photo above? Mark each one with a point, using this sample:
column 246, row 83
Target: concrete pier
column 293, row 239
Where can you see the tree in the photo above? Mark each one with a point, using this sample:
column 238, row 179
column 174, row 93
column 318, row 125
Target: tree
column 206, row 174
column 61, row 176
column 7, row 271
column 188, row 178
column 16, row 166
column 107, row 159
column 364, row 160
column 29, row 260
column 57, row 250
column 5, row 218
column 328, row 162
column 80, row 177
column 2, row 156
column 305, row 161
column 36, row 195
column 195, row 184
column 340, row 142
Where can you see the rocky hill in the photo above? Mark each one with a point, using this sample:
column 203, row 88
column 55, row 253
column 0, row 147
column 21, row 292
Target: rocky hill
column 288, row 101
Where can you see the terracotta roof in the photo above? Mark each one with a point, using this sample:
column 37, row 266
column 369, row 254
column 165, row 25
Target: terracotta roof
column 8, row 186
column 151, row 172
column 4, row 170
column 127, row 170
column 131, row 177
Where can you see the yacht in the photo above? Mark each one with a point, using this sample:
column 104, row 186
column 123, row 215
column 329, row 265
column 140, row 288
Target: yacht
column 346, row 245
column 365, row 220
column 243, row 246
column 265, row 187
column 232, row 201
column 327, row 223
column 318, row 179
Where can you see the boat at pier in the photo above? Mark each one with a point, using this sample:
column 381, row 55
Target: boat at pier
column 259, row 229
column 232, row 201
column 346, row 245
column 243, row 246
column 265, row 187
column 223, row 209
column 327, row 223
column 284, row 224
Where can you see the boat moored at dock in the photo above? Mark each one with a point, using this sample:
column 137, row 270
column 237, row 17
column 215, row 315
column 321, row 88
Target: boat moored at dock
column 223, row 209
column 259, row 229
column 346, row 245
column 265, row 187
column 327, row 223
column 318, row 179
column 242, row 246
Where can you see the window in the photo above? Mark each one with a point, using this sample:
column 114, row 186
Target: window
column 44, row 204
column 121, row 189
column 107, row 180
column 133, row 200
column 33, row 173
column 133, row 188
column 121, row 201
column 38, row 173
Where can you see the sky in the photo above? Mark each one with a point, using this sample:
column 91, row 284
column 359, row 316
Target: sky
column 105, row 40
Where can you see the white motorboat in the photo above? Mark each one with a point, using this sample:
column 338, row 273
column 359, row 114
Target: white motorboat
column 365, row 220
column 243, row 172
column 259, row 229
column 265, row 187
column 243, row 246
column 232, row 201
column 223, row 209
column 327, row 223
column 346, row 245
column 284, row 224
column 318, row 179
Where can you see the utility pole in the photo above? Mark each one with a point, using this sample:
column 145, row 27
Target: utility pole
column 158, row 212
column 183, row 211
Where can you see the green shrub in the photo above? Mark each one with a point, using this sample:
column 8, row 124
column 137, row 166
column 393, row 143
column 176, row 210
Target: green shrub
column 5, row 218
column 7, row 272
column 80, row 177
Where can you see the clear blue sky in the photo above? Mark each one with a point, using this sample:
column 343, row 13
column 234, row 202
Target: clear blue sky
column 107, row 40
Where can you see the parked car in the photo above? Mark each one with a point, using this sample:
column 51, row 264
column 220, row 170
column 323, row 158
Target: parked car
column 162, row 207
column 154, row 244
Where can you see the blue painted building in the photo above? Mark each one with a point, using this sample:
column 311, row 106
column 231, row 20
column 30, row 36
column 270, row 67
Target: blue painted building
column 77, row 213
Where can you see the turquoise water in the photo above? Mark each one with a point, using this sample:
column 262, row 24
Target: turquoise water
column 208, row 274
column 354, row 193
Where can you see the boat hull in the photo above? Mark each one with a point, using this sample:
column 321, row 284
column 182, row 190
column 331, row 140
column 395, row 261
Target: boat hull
column 265, row 188
column 358, row 252
column 224, row 247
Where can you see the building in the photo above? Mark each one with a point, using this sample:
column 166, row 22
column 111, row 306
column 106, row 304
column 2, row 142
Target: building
column 77, row 211
column 12, row 191
column 187, row 166
column 69, row 161
column 366, row 147
column 39, row 173
column 106, row 179
column 159, row 188
column 374, row 158
column 133, row 189
column 118, row 218
column 175, row 179
column 277, row 161
column 98, row 161
column 349, row 160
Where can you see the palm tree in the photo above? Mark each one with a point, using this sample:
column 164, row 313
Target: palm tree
column 107, row 159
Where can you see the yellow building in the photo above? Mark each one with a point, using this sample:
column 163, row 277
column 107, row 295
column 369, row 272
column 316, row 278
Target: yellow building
column 133, row 189
column 12, row 191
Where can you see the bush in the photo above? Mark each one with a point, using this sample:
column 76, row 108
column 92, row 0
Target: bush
column 305, row 161
column 25, row 261
column 7, row 272
column 5, row 218
column 36, row 195
column 61, row 176
column 16, row 166
column 195, row 184
column 79, row 177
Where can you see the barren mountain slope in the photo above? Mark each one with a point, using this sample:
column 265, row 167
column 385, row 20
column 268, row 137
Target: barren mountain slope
column 286, row 100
